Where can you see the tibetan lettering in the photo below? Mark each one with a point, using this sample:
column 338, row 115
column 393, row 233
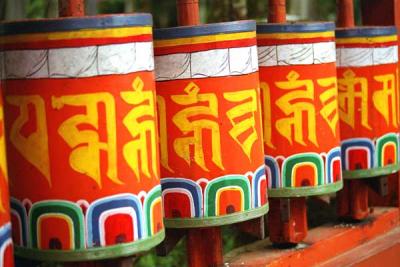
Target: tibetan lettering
column 33, row 145
column 86, row 144
column 385, row 99
column 347, row 96
column 329, row 102
column 188, row 122
column 242, row 118
column 141, row 123
column 162, row 115
column 295, row 104
column 267, row 121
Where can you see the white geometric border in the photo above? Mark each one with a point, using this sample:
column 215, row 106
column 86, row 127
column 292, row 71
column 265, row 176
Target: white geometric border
column 366, row 56
column 297, row 54
column 77, row 62
column 210, row 63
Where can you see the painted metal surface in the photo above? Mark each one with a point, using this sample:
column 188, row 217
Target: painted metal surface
column 82, row 137
column 210, row 124
column 367, row 71
column 300, row 115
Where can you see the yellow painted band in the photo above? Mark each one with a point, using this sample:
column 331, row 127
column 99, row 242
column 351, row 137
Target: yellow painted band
column 367, row 40
column 205, row 39
column 297, row 35
column 80, row 34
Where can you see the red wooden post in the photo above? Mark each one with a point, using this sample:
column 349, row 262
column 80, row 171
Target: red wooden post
column 345, row 13
column 352, row 201
column 287, row 217
column 204, row 245
column 277, row 11
column 384, row 13
column 188, row 12
column 71, row 8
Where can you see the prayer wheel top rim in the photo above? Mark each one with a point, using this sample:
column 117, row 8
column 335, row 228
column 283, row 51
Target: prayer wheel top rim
column 74, row 23
column 205, row 29
column 365, row 31
column 305, row 27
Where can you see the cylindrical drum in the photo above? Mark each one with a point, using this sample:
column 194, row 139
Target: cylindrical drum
column 300, row 114
column 367, row 72
column 212, row 166
column 6, row 246
column 82, row 139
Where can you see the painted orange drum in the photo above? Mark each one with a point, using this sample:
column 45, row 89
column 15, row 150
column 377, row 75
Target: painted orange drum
column 82, row 137
column 367, row 71
column 300, row 115
column 212, row 165
column 6, row 244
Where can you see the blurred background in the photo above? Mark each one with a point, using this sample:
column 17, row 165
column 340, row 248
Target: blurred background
column 164, row 11
column 164, row 15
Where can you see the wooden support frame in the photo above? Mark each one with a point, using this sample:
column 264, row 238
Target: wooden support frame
column 322, row 244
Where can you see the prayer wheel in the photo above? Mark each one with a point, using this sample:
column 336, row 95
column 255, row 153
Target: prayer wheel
column 212, row 168
column 300, row 115
column 367, row 72
column 6, row 245
column 82, row 137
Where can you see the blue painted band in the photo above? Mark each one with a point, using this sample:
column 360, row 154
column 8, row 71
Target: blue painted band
column 75, row 23
column 206, row 29
column 295, row 27
column 365, row 31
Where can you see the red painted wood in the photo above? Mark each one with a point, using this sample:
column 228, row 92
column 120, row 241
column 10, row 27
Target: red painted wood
column 122, row 262
column 345, row 13
column 188, row 12
column 383, row 13
column 71, row 8
column 277, row 11
column 321, row 244
column 204, row 247
column 287, row 220
column 352, row 200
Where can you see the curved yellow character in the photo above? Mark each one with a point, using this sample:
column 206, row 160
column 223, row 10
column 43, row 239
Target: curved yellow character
column 186, row 121
column 141, row 123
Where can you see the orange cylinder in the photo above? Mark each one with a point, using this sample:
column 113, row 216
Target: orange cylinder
column 82, row 137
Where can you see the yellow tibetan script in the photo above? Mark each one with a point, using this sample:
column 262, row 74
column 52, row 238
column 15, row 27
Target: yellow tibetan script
column 329, row 102
column 347, row 96
column 162, row 115
column 141, row 123
column 33, row 147
column 387, row 95
column 298, row 90
column 267, row 121
column 241, row 124
column 187, row 124
column 86, row 144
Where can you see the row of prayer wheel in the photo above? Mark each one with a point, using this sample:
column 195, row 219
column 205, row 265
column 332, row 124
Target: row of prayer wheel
column 105, row 136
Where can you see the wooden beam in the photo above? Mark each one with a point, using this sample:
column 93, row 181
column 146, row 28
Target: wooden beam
column 345, row 13
column 277, row 11
column 71, row 8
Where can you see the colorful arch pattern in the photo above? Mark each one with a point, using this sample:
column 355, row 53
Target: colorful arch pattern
column 227, row 194
column 56, row 224
column 306, row 169
column 333, row 166
column 272, row 172
column 187, row 192
column 113, row 220
column 19, row 221
column 153, row 211
column 6, row 247
column 357, row 154
column 387, row 150
column 259, row 188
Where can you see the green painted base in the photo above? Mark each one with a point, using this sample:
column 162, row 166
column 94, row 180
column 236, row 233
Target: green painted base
column 121, row 250
column 216, row 220
column 306, row 190
column 362, row 174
